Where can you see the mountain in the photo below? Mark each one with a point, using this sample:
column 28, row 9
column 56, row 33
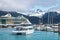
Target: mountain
column 55, row 16
column 37, row 14
column 32, row 19
column 14, row 14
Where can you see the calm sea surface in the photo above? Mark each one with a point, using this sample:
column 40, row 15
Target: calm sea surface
column 6, row 34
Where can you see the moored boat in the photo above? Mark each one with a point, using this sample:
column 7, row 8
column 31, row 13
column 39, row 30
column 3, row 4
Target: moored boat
column 23, row 30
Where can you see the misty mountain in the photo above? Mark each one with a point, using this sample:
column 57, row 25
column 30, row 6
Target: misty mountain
column 14, row 14
column 53, row 17
column 32, row 19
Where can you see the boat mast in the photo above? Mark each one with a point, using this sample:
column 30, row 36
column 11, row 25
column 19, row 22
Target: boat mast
column 48, row 19
column 52, row 20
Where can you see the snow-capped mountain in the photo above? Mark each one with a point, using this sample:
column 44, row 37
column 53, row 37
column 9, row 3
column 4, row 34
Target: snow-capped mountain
column 35, row 17
column 37, row 14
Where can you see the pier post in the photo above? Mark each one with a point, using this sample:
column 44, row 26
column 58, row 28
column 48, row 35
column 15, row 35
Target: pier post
column 59, row 28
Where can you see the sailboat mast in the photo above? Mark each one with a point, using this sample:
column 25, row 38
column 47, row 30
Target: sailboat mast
column 52, row 19
column 48, row 18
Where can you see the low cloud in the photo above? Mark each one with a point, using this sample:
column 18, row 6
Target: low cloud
column 14, row 4
column 23, row 5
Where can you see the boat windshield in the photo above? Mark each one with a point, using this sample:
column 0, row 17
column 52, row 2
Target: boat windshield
column 21, row 29
column 26, row 25
column 24, row 28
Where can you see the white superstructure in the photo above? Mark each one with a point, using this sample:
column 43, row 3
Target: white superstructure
column 23, row 30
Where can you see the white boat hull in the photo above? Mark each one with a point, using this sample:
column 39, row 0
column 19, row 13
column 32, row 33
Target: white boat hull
column 24, row 32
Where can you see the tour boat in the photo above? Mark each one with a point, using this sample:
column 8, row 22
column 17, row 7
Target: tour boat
column 23, row 30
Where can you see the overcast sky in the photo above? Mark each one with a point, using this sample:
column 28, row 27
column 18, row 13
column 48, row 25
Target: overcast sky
column 23, row 5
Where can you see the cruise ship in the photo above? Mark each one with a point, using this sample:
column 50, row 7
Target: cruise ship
column 8, row 20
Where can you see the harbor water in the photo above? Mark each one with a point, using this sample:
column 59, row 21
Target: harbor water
column 6, row 34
